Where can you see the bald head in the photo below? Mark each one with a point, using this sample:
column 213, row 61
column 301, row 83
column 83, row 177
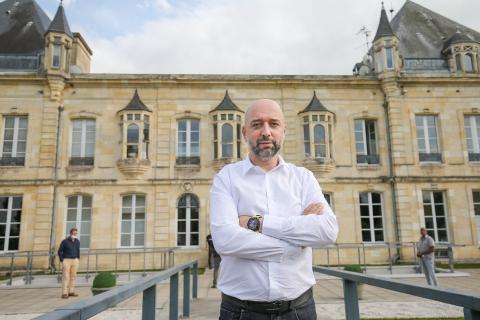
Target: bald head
column 264, row 106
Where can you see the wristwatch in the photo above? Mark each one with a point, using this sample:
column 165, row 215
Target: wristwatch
column 254, row 223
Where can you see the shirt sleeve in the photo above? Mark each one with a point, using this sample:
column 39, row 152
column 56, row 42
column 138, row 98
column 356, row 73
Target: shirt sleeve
column 305, row 230
column 60, row 251
column 230, row 239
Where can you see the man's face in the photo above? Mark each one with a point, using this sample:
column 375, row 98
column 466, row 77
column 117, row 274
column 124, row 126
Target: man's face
column 423, row 232
column 264, row 129
column 74, row 234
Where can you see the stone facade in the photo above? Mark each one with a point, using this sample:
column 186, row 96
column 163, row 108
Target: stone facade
column 390, row 100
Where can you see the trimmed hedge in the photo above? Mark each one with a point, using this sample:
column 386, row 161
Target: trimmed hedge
column 353, row 268
column 104, row 280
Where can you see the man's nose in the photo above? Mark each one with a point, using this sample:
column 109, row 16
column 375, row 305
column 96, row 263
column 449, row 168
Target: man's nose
column 266, row 129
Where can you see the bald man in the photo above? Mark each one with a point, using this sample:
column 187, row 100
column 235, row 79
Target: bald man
column 266, row 215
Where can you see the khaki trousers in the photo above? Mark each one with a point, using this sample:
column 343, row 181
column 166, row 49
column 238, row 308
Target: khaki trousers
column 70, row 267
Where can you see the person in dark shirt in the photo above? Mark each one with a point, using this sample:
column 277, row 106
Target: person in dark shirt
column 69, row 255
column 213, row 260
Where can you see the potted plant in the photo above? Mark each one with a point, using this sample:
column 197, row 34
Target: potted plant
column 102, row 282
column 358, row 269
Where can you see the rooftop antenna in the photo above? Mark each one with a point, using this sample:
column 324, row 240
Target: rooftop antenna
column 367, row 33
column 391, row 10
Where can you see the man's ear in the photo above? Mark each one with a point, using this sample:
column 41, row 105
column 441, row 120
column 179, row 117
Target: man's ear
column 244, row 133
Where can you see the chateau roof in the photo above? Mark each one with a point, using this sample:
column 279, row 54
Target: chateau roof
column 423, row 32
column 314, row 105
column 136, row 104
column 384, row 28
column 226, row 104
column 60, row 22
column 22, row 27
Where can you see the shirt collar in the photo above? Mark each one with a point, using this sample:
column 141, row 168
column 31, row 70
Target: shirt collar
column 248, row 165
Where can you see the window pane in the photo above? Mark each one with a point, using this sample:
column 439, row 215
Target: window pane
column 125, row 242
column 126, row 216
column 442, row 236
column 132, row 133
column 87, row 202
column 438, row 197
column 227, row 150
column 3, row 230
column 140, row 201
column 71, row 215
column 193, row 200
column 376, row 198
column 3, row 216
column 366, row 237
column 364, row 211
column 194, row 240
column 365, row 223
column 182, row 226
column 194, row 226
column 127, row 201
column 182, row 125
column 194, row 213
column 476, row 196
column 439, row 210
column 139, row 227
column 306, row 132
column 3, row 203
column 182, row 213
column 227, row 133
column 319, row 134
column 194, row 125
column 378, row 235
column 376, row 210
column 427, row 210
column 364, row 197
column 2, row 244
column 17, row 202
column 139, row 239
column 14, row 230
column 140, row 215
column 181, row 240
column 86, row 214
column 441, row 223
column 378, row 223
column 13, row 244
column 429, row 223
column 126, row 226
column 85, row 228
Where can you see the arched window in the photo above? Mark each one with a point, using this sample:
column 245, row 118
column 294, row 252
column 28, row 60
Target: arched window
column 79, row 215
column 468, row 61
column 319, row 141
column 132, row 141
column 227, row 141
column 188, row 220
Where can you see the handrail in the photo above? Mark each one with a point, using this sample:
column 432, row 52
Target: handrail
column 88, row 308
column 469, row 302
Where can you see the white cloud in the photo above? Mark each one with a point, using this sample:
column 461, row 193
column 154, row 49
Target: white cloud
column 250, row 36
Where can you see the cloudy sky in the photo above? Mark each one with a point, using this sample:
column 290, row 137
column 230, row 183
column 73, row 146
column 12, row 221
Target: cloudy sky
column 235, row 36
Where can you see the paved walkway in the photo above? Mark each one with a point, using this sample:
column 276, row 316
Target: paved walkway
column 27, row 303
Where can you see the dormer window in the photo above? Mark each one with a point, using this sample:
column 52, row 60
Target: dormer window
column 389, row 54
column 135, row 124
column 468, row 61
column 226, row 125
column 317, row 124
column 463, row 53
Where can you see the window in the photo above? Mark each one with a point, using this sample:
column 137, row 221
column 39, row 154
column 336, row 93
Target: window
column 57, row 50
column 10, row 217
column 14, row 140
column 427, row 138
column 188, row 221
column 317, row 126
column 366, row 142
column 328, row 196
column 468, row 60
column 472, row 134
column 227, row 140
column 132, row 140
column 434, row 210
column 379, row 61
column 83, row 142
column 79, row 215
column 371, row 217
column 476, row 209
column 188, row 141
column 133, row 221
column 458, row 62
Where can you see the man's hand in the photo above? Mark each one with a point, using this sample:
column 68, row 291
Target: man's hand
column 242, row 221
column 419, row 255
column 313, row 208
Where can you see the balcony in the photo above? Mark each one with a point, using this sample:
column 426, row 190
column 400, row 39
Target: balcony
column 319, row 165
column 12, row 161
column 430, row 157
column 187, row 161
column 368, row 159
column 84, row 161
column 133, row 168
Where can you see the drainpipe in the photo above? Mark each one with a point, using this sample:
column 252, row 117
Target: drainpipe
column 391, row 177
column 55, row 186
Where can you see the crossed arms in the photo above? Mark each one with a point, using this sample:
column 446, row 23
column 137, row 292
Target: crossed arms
column 281, row 237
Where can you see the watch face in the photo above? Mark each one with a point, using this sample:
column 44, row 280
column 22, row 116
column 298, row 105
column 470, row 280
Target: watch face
column 253, row 224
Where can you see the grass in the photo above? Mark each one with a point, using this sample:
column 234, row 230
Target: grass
column 460, row 265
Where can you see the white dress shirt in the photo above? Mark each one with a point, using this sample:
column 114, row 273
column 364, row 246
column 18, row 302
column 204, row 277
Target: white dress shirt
column 277, row 263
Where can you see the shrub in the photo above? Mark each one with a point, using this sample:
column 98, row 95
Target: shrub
column 353, row 268
column 104, row 280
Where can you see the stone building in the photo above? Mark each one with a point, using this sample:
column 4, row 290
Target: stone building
column 129, row 158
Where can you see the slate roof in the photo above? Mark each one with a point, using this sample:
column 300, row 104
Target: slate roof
column 226, row 104
column 136, row 104
column 384, row 28
column 22, row 27
column 458, row 37
column 423, row 32
column 314, row 105
column 60, row 23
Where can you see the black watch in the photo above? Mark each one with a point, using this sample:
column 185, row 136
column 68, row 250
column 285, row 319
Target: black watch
column 254, row 223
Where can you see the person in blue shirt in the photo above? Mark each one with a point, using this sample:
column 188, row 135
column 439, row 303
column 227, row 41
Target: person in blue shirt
column 69, row 255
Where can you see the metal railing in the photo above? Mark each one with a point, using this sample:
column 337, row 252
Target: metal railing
column 469, row 302
column 88, row 308
column 357, row 253
column 24, row 263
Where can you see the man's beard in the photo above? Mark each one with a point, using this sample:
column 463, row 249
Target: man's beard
column 264, row 154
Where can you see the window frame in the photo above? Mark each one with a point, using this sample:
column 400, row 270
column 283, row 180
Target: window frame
column 188, row 221
column 83, row 158
column 56, row 54
column 133, row 220
column 473, row 127
column 190, row 158
column 371, row 217
column 423, row 130
column 476, row 212
column 370, row 157
column 15, row 140
column 434, row 215
column 79, row 219
column 8, row 223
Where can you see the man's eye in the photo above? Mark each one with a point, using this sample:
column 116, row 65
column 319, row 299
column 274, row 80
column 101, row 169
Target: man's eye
column 255, row 125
